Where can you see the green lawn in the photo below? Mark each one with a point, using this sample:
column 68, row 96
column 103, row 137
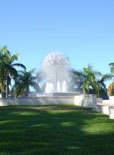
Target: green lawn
column 25, row 130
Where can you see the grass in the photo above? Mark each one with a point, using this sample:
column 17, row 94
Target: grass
column 25, row 130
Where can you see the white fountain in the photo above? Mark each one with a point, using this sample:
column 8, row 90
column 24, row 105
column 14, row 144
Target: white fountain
column 64, row 86
column 49, row 88
column 56, row 75
column 56, row 68
column 58, row 87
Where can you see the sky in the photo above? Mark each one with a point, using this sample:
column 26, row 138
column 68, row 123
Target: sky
column 83, row 30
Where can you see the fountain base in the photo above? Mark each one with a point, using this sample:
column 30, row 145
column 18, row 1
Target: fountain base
column 56, row 94
column 80, row 100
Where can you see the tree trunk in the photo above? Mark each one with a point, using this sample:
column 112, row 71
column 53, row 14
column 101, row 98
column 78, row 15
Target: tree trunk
column 6, row 88
column 8, row 80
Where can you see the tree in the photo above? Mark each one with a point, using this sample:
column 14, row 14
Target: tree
column 75, row 81
column 88, row 80
column 111, row 89
column 89, row 83
column 111, row 86
column 7, row 69
column 102, row 86
column 111, row 67
column 24, row 81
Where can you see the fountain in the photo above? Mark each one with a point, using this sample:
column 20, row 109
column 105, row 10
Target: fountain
column 58, row 87
column 56, row 68
column 64, row 86
column 49, row 88
column 55, row 77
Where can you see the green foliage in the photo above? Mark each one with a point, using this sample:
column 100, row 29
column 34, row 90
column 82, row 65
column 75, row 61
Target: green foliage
column 91, row 81
column 7, row 69
column 111, row 67
column 110, row 88
column 88, row 80
column 24, row 80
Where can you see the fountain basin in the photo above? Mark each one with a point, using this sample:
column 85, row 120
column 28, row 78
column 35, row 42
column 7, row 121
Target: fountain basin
column 58, row 94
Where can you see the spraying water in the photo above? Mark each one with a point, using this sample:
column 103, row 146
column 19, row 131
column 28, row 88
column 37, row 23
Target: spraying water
column 56, row 68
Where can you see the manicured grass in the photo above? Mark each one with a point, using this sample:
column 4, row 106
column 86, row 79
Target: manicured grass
column 27, row 131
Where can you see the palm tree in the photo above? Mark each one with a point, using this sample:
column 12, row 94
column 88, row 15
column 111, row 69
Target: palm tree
column 111, row 67
column 111, row 89
column 7, row 68
column 24, row 81
column 88, row 80
column 75, row 81
column 102, row 86
column 111, row 86
column 89, row 84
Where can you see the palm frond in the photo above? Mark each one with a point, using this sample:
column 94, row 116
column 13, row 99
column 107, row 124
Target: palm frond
column 11, row 70
column 41, row 76
column 111, row 64
column 19, row 65
column 106, row 77
column 14, row 57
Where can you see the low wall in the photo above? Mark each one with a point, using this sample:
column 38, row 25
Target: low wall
column 37, row 101
column 111, row 112
column 81, row 100
column 107, row 109
column 86, row 100
column 103, row 109
column 99, row 100
column 111, row 99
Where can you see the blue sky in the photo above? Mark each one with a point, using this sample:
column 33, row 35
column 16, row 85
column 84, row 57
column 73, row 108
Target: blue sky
column 81, row 29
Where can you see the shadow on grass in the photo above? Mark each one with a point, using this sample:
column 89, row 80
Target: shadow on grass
column 30, row 131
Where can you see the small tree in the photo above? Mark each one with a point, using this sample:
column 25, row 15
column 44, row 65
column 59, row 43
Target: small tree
column 111, row 86
column 101, row 84
column 89, row 83
column 24, row 81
